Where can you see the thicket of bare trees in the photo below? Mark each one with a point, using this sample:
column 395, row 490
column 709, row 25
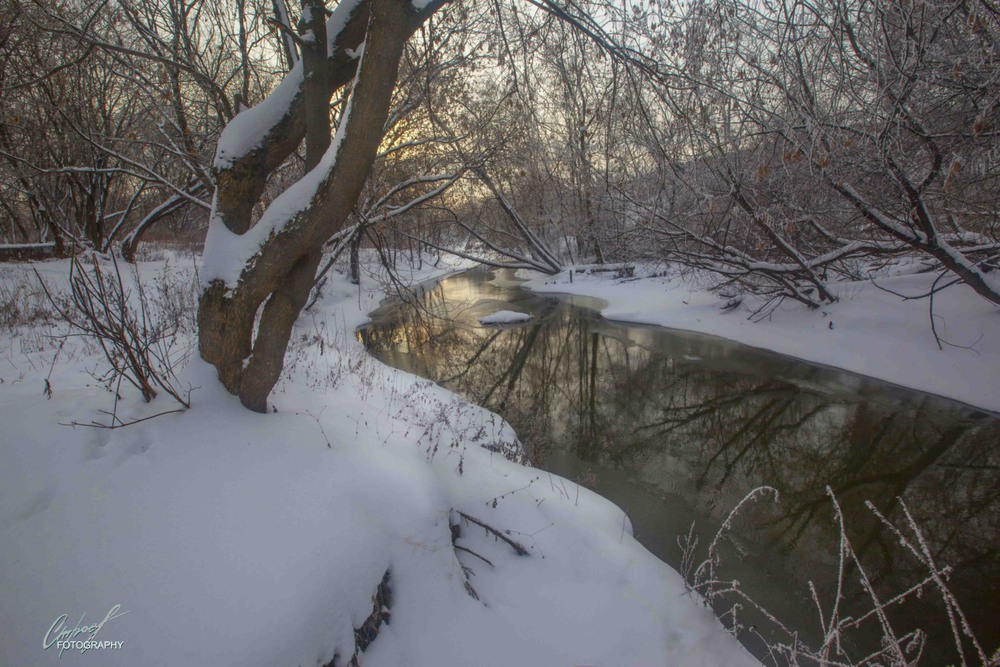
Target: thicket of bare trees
column 112, row 111
column 816, row 140
column 777, row 147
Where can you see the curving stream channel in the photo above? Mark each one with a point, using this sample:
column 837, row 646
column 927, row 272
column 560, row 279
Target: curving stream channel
column 677, row 428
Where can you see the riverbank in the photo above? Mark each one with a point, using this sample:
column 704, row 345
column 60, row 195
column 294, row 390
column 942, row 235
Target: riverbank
column 217, row 536
column 869, row 330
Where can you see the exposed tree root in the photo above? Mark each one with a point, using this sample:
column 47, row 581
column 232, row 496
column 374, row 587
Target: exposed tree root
column 366, row 634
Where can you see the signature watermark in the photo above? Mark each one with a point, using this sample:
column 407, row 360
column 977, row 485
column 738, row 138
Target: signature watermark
column 81, row 637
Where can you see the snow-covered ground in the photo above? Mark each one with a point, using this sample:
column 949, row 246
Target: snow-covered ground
column 869, row 330
column 216, row 536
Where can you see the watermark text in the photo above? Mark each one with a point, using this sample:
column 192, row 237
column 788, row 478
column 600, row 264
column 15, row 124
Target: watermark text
column 80, row 637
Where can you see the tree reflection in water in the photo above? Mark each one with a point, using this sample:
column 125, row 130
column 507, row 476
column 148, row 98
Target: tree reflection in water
column 679, row 427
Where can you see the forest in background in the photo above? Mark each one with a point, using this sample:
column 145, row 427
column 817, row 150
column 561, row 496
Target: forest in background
column 778, row 145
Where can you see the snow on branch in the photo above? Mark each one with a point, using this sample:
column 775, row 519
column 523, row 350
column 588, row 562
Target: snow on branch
column 227, row 254
column 250, row 128
column 394, row 211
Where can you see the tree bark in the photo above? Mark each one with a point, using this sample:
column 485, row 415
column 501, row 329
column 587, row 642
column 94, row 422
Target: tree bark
column 282, row 271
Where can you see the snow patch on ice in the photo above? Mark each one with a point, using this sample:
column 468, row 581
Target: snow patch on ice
column 505, row 317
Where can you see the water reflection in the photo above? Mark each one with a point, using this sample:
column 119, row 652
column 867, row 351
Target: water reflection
column 678, row 427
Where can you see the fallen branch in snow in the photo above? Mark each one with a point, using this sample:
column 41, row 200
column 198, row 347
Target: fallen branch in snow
column 459, row 547
column 27, row 252
column 520, row 550
column 935, row 288
column 456, row 532
column 120, row 424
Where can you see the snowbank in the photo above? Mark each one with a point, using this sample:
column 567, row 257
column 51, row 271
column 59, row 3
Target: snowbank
column 505, row 317
column 232, row 538
column 868, row 331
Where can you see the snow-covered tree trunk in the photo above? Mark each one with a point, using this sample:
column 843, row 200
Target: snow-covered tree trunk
column 272, row 263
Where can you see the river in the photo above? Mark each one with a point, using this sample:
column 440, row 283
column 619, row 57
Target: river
column 676, row 428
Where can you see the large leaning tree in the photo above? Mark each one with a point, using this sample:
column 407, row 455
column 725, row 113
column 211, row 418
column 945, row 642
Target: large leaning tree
column 260, row 269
